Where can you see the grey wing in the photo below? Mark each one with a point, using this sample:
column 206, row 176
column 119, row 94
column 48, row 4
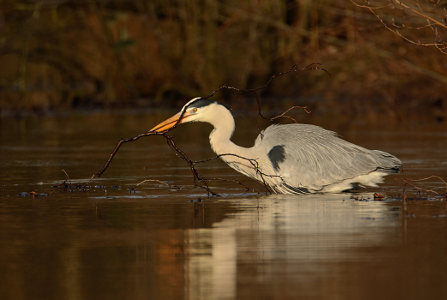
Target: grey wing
column 313, row 157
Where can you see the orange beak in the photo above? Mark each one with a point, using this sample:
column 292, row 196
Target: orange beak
column 171, row 122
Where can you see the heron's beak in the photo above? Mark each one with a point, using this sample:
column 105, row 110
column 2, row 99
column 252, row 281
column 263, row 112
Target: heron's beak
column 171, row 122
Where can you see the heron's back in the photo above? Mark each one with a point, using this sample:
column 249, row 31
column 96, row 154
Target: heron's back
column 311, row 157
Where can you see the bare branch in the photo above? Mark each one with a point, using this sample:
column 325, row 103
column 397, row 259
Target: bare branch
column 419, row 13
column 406, row 31
column 255, row 91
column 199, row 181
column 411, row 182
column 171, row 186
column 66, row 174
column 283, row 115
column 117, row 147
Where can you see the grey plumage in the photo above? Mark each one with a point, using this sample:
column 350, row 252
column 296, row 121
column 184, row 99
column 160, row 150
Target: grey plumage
column 316, row 158
column 291, row 158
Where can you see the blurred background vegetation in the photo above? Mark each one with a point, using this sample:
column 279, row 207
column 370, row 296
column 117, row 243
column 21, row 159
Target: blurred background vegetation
column 64, row 54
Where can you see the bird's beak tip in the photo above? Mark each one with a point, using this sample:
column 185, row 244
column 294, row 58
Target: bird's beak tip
column 169, row 123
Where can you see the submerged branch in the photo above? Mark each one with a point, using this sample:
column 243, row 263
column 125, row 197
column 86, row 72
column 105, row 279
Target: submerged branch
column 171, row 186
column 411, row 182
column 199, row 181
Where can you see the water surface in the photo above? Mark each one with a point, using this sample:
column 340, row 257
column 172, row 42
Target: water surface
column 110, row 238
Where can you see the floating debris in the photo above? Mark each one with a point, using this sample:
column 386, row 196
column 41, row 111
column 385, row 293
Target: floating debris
column 198, row 200
column 32, row 194
column 79, row 187
column 378, row 197
column 360, row 198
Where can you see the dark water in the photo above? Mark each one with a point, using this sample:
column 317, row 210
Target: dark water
column 103, row 240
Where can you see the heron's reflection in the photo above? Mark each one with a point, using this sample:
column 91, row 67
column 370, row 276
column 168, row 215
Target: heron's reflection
column 277, row 235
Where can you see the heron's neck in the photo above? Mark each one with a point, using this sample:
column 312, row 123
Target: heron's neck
column 220, row 137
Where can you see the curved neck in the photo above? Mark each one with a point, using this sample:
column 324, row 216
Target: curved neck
column 220, row 137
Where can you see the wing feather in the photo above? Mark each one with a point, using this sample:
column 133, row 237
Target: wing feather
column 316, row 157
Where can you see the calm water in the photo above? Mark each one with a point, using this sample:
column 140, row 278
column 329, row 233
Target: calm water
column 104, row 240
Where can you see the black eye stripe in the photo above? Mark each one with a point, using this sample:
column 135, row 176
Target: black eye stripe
column 201, row 103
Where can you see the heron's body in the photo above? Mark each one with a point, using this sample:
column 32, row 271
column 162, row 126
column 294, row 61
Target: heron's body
column 291, row 158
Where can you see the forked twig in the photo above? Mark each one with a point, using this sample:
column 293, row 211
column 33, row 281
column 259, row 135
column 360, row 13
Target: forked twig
column 410, row 182
column 255, row 91
column 284, row 114
column 160, row 182
column 432, row 23
column 199, row 181
column 117, row 147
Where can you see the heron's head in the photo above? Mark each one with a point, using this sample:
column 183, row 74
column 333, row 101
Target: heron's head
column 196, row 110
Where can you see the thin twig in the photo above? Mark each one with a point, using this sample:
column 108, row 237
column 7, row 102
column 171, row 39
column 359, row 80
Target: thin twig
column 160, row 182
column 410, row 182
column 416, row 12
column 199, row 181
column 255, row 91
column 284, row 114
column 117, row 147
column 431, row 23
column 66, row 174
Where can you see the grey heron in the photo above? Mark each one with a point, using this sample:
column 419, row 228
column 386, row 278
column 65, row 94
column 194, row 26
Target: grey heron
column 289, row 158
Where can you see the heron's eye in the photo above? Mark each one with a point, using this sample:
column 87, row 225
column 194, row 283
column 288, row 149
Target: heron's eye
column 194, row 110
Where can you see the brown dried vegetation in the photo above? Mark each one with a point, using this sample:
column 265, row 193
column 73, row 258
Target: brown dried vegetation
column 57, row 55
